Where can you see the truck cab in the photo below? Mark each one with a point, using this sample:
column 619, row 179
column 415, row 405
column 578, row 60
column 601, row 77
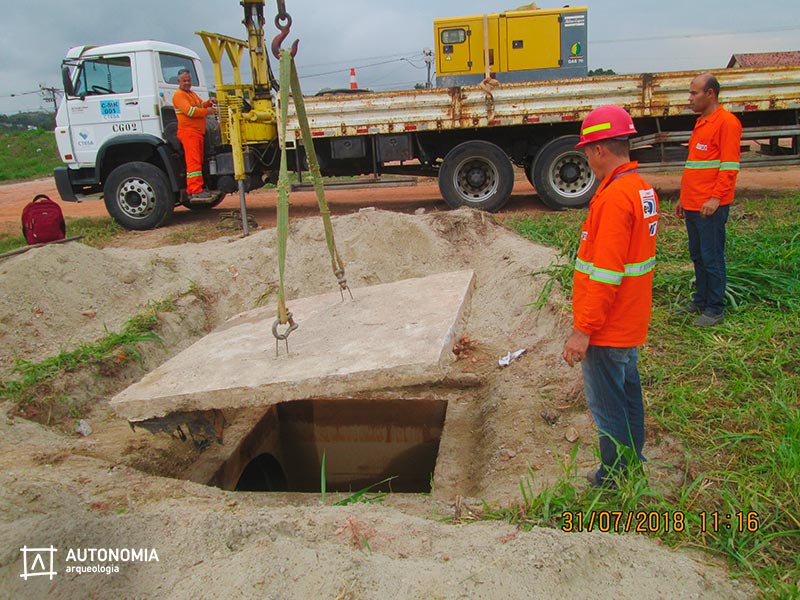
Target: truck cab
column 115, row 128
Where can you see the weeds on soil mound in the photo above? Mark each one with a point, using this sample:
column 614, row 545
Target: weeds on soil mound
column 731, row 394
column 43, row 388
column 97, row 232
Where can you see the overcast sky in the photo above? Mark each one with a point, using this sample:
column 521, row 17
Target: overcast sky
column 384, row 39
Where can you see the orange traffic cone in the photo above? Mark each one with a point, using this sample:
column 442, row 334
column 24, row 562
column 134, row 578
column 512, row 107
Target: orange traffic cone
column 353, row 83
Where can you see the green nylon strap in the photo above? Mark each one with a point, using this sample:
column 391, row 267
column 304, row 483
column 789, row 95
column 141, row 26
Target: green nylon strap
column 283, row 189
column 313, row 164
column 289, row 79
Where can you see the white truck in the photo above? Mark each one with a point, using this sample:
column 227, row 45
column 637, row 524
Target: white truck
column 116, row 128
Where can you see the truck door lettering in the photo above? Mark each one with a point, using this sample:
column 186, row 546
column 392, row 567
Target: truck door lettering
column 110, row 109
column 124, row 127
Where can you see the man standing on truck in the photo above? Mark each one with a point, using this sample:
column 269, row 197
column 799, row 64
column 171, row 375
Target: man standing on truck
column 707, row 188
column 613, row 289
column 191, row 112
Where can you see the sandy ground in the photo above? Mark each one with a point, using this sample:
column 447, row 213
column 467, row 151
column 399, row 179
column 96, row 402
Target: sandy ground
column 425, row 195
column 121, row 489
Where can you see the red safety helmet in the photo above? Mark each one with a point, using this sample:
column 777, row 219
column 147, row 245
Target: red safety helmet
column 605, row 122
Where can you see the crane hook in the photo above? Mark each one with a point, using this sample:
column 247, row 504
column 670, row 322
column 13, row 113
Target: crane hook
column 283, row 22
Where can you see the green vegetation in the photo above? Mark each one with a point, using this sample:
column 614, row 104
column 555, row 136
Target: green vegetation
column 28, row 155
column 361, row 495
column 32, row 385
column 21, row 121
column 730, row 393
column 97, row 232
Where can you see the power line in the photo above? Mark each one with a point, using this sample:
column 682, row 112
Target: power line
column 352, row 60
column 377, row 64
column 693, row 35
column 16, row 94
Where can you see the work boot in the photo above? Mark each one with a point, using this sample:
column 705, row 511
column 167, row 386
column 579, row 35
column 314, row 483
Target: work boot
column 688, row 309
column 709, row 319
column 593, row 477
column 204, row 196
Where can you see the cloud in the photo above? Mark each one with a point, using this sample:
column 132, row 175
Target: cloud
column 337, row 35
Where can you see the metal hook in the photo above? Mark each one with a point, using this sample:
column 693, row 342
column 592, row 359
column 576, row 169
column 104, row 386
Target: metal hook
column 285, row 335
column 284, row 33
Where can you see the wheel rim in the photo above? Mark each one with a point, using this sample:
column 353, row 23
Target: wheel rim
column 136, row 197
column 570, row 174
column 476, row 179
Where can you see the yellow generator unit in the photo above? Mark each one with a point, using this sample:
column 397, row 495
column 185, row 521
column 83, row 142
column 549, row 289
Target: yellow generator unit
column 520, row 45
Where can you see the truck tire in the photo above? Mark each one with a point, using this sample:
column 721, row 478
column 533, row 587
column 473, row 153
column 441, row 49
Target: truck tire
column 561, row 174
column 476, row 174
column 138, row 196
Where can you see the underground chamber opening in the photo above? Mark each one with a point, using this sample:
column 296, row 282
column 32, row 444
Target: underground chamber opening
column 363, row 442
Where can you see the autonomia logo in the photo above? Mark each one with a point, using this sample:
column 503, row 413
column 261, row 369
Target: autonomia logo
column 40, row 561
column 37, row 562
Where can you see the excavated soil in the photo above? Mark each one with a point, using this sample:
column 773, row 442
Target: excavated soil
column 117, row 488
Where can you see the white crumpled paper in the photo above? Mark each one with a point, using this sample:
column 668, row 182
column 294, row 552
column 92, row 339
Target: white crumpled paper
column 506, row 360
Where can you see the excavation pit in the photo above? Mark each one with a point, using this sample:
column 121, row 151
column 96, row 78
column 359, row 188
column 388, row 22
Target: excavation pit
column 363, row 441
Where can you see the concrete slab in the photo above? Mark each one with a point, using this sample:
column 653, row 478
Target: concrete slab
column 391, row 335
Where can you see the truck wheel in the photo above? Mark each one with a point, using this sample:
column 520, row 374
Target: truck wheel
column 561, row 174
column 138, row 196
column 476, row 174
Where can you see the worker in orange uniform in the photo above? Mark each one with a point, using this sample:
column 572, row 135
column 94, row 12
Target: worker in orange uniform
column 707, row 188
column 612, row 290
column 191, row 112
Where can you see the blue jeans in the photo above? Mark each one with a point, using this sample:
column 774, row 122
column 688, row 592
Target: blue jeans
column 614, row 395
column 707, row 251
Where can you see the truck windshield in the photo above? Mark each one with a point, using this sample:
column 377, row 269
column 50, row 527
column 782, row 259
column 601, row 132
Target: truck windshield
column 172, row 64
column 105, row 76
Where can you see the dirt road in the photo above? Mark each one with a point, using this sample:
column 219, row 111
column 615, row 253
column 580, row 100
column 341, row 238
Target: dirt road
column 261, row 204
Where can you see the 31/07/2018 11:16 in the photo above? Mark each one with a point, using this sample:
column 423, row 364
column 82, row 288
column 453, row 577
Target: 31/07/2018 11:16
column 617, row 521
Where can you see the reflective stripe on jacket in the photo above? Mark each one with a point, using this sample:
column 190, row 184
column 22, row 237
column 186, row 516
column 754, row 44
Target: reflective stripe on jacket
column 190, row 110
column 713, row 162
column 613, row 280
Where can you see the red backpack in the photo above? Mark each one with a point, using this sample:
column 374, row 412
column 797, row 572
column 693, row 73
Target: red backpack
column 43, row 221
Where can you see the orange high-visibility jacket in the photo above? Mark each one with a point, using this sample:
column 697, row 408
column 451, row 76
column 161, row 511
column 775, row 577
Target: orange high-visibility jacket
column 713, row 162
column 613, row 280
column 190, row 110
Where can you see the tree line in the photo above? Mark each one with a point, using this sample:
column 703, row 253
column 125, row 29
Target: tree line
column 24, row 120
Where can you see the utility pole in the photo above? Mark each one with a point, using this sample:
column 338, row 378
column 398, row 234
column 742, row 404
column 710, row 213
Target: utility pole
column 428, row 53
column 50, row 94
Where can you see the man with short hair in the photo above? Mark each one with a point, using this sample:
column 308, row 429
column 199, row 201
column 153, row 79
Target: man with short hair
column 707, row 189
column 612, row 290
column 191, row 112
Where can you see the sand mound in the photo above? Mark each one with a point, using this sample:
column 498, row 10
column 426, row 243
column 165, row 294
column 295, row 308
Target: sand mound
column 104, row 491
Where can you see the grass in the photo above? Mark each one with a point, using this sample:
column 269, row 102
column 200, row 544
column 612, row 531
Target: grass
column 96, row 231
column 28, row 155
column 33, row 384
column 731, row 394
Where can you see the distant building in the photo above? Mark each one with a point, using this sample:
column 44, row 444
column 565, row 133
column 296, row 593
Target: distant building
column 764, row 59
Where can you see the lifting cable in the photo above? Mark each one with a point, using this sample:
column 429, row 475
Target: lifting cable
column 290, row 80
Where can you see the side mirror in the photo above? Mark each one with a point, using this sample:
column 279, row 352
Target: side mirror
column 69, row 90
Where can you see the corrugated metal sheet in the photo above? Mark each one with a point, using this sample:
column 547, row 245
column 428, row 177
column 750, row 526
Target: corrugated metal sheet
column 644, row 95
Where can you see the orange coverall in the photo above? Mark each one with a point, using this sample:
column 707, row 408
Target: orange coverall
column 191, row 112
column 613, row 280
column 713, row 161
